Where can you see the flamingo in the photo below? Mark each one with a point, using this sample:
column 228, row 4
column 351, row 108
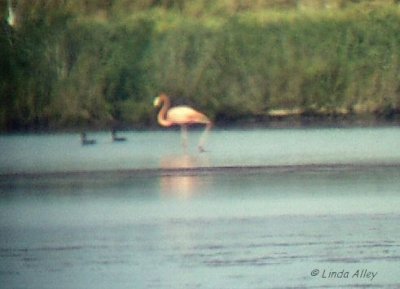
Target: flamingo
column 182, row 116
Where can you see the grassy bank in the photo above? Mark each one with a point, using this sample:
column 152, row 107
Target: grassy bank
column 64, row 67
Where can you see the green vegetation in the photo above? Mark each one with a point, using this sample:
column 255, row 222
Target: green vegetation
column 69, row 64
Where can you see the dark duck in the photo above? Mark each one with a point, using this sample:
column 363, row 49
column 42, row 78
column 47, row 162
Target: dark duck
column 85, row 141
column 116, row 138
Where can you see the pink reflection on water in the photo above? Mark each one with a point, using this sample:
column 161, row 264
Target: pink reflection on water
column 183, row 183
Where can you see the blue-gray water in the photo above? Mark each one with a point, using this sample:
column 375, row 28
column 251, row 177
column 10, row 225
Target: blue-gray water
column 266, row 209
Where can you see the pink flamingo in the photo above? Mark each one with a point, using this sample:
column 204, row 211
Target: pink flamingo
column 183, row 116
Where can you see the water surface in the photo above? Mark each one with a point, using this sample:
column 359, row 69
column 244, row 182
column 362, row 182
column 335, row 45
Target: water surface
column 265, row 210
column 259, row 147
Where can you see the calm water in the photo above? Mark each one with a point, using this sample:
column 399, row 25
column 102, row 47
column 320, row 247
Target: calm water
column 271, row 208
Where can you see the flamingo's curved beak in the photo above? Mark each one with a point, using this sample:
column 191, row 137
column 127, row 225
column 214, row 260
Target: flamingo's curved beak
column 156, row 101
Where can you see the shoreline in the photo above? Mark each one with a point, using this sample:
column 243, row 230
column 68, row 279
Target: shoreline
column 277, row 119
column 196, row 171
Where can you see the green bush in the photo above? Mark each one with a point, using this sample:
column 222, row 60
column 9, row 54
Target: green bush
column 97, row 63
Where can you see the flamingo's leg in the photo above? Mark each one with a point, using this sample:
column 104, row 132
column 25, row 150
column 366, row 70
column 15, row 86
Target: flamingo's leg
column 184, row 136
column 203, row 137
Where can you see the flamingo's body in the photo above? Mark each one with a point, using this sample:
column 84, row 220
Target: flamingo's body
column 181, row 115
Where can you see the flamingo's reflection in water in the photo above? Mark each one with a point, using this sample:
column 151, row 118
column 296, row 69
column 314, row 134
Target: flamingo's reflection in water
column 184, row 182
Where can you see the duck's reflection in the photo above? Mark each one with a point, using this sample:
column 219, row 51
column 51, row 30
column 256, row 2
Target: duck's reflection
column 180, row 178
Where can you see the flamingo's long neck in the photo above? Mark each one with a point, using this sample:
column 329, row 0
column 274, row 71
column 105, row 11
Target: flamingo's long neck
column 162, row 115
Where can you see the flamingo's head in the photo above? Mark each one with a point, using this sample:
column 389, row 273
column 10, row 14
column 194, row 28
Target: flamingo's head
column 157, row 101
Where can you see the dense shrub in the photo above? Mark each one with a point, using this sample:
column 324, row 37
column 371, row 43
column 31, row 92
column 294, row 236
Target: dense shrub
column 69, row 64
